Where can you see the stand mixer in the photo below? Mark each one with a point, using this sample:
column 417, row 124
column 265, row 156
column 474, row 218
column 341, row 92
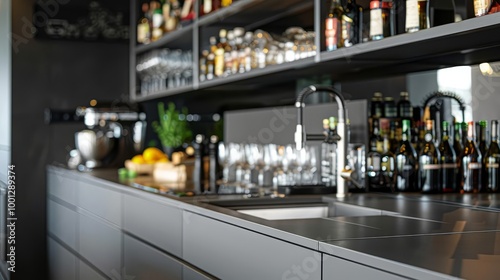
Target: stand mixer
column 112, row 136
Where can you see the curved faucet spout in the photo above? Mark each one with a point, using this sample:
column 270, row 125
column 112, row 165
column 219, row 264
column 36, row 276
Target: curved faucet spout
column 300, row 134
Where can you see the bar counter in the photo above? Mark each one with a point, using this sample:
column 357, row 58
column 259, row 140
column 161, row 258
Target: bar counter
column 413, row 236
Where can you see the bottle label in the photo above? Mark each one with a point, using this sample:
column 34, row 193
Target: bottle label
column 481, row 7
column 406, row 112
column 332, row 32
column 412, row 18
column 207, row 6
column 431, row 166
column 142, row 32
column 492, row 165
column 448, row 165
column 376, row 25
column 347, row 26
column 474, row 165
column 157, row 20
column 374, row 163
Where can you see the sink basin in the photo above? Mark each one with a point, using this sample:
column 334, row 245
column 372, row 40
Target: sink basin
column 298, row 208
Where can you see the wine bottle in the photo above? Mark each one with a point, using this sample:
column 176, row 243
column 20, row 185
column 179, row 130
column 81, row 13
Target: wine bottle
column 481, row 143
column 329, row 153
column 492, row 161
column 352, row 23
column 377, row 105
column 458, row 148
column 406, row 162
column 448, row 160
column 374, row 158
column 390, row 109
column 417, row 15
column 388, row 167
column 333, row 26
column 405, row 110
column 471, row 164
column 394, row 138
column 429, row 178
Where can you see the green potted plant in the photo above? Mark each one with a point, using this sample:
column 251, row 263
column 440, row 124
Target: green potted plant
column 172, row 128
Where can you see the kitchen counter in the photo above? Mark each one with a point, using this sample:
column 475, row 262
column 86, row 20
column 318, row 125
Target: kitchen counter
column 416, row 236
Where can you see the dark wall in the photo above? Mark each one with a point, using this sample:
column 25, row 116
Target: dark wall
column 56, row 74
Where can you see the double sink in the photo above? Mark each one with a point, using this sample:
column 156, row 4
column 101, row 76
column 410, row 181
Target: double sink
column 298, row 208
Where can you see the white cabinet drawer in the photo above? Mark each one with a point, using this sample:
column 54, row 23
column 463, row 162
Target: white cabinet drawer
column 101, row 201
column 100, row 244
column 158, row 224
column 62, row 263
column 231, row 252
column 62, row 187
column 62, row 222
column 145, row 262
column 336, row 268
column 85, row 272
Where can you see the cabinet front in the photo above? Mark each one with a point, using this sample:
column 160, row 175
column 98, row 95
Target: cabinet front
column 230, row 252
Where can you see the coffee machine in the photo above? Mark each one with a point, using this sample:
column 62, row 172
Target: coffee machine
column 112, row 135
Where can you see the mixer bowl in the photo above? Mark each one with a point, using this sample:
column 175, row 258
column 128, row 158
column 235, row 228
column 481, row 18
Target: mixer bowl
column 93, row 146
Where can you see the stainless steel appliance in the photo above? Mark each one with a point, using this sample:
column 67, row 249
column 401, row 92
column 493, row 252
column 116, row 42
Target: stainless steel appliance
column 112, row 136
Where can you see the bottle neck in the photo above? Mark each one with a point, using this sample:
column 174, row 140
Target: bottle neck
column 494, row 131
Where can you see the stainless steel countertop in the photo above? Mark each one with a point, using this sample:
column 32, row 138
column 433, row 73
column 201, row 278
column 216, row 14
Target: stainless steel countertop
column 454, row 234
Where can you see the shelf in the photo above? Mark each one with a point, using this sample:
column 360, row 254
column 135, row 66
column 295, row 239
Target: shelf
column 254, row 13
column 179, row 39
column 164, row 93
column 463, row 43
column 468, row 42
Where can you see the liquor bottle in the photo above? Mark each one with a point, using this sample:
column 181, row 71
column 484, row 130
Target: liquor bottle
column 376, row 140
column 492, row 161
column 406, row 161
column 377, row 105
column 157, row 21
column 219, row 54
column 173, row 16
column 417, row 15
column 329, row 153
column 390, row 109
column 482, row 7
column 380, row 19
column 210, row 66
column 405, row 110
column 333, row 26
column 448, row 160
column 388, row 167
column 471, row 164
column 203, row 65
column 226, row 3
column 374, row 159
column 394, row 138
column 206, row 7
column 429, row 178
column 352, row 23
column 143, row 26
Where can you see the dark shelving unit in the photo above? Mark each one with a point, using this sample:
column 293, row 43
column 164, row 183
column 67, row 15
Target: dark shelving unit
column 468, row 42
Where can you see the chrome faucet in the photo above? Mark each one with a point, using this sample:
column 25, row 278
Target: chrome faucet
column 300, row 134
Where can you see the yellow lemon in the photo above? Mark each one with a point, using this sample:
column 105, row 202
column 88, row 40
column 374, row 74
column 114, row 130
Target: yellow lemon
column 152, row 154
column 139, row 159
